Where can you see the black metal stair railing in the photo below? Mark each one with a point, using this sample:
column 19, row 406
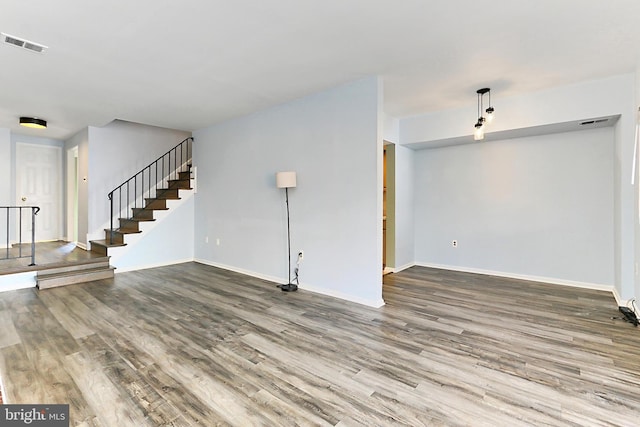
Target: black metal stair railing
column 145, row 184
column 13, row 251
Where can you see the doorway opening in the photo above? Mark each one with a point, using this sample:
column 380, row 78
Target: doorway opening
column 389, row 208
column 72, row 195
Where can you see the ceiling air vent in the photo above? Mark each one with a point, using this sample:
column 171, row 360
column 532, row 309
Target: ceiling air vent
column 25, row 44
column 594, row 122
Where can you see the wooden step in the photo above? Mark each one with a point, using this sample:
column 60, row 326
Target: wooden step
column 118, row 234
column 87, row 264
column 167, row 194
column 185, row 175
column 52, row 280
column 132, row 224
column 101, row 246
column 182, row 184
column 155, row 204
column 143, row 213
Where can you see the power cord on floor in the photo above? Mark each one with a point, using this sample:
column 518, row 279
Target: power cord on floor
column 297, row 269
column 629, row 312
column 632, row 305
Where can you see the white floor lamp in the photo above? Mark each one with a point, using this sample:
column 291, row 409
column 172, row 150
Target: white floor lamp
column 287, row 180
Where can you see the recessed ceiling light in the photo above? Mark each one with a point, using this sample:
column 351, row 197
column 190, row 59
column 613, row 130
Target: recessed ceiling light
column 33, row 122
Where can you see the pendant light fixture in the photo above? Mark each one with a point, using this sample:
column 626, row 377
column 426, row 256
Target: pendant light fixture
column 478, row 133
column 33, row 122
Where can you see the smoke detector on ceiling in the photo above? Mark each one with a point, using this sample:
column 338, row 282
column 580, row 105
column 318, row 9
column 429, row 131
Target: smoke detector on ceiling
column 23, row 43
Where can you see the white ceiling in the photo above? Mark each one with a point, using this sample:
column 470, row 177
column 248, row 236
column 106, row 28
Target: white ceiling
column 188, row 64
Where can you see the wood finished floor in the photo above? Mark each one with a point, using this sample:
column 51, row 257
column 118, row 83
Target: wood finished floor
column 191, row 345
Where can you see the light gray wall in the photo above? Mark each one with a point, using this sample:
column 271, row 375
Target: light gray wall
column 606, row 97
column 540, row 207
column 333, row 141
column 117, row 151
column 404, row 212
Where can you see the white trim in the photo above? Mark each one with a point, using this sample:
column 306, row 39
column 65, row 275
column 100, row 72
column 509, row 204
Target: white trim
column 82, row 246
column 147, row 266
column 617, row 296
column 13, row 282
column 550, row 280
column 335, row 294
column 242, row 271
column 375, row 304
column 402, row 268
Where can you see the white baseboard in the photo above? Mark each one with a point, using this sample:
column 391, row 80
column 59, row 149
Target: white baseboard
column 13, row 282
column 315, row 289
column 402, row 268
column 82, row 246
column 618, row 298
column 336, row 294
column 273, row 279
column 541, row 279
column 147, row 266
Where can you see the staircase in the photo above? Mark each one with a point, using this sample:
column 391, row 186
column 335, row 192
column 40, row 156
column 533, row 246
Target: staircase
column 135, row 200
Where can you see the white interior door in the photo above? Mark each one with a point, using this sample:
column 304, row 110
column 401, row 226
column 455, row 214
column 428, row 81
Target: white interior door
column 39, row 183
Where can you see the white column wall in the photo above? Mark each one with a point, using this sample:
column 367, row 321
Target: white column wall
column 333, row 140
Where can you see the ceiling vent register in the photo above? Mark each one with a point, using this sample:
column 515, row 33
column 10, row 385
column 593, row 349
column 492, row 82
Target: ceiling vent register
column 25, row 44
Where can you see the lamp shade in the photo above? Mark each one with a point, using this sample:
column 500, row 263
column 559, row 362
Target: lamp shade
column 285, row 179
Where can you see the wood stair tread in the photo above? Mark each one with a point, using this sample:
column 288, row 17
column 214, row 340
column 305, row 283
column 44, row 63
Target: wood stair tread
column 64, row 278
column 46, row 276
column 136, row 219
column 96, row 263
column 106, row 243
column 123, row 231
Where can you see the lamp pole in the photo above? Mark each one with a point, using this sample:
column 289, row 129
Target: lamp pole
column 287, row 180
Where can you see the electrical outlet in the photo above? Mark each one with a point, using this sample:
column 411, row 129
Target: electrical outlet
column 301, row 255
column 454, row 243
column 206, row 239
column 218, row 241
